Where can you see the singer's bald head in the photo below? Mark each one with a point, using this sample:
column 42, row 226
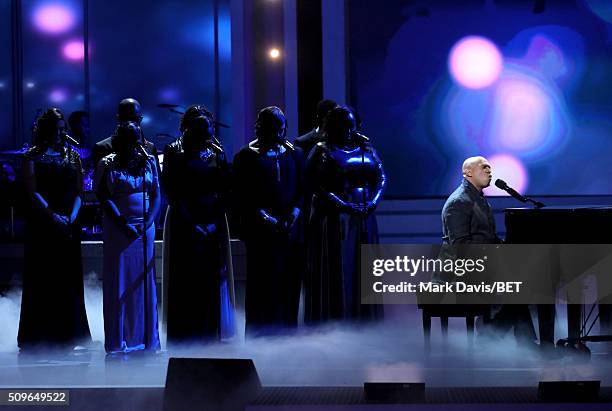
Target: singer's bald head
column 477, row 171
column 471, row 162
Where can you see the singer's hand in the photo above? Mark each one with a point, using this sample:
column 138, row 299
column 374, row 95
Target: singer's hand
column 370, row 208
column 205, row 231
column 131, row 231
column 60, row 220
column 268, row 219
column 355, row 209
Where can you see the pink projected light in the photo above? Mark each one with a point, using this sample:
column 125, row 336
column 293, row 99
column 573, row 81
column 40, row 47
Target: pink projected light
column 58, row 96
column 74, row 50
column 475, row 62
column 53, row 18
column 511, row 170
column 523, row 114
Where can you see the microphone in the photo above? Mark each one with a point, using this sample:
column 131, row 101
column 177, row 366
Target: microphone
column 142, row 150
column 501, row 184
column 70, row 139
column 361, row 137
column 215, row 144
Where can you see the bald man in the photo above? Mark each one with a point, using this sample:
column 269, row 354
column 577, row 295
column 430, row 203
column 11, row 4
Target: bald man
column 467, row 217
column 127, row 110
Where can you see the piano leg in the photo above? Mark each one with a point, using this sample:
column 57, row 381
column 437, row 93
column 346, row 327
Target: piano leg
column 605, row 317
column 427, row 330
column 546, row 323
column 574, row 312
column 444, row 327
column 469, row 325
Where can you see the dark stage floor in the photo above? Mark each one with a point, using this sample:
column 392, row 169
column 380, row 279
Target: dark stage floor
column 334, row 356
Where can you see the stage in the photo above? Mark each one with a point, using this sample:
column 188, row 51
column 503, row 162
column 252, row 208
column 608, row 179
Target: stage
column 296, row 369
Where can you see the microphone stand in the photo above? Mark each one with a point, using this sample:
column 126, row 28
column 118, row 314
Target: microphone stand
column 524, row 199
column 144, row 246
column 536, row 203
column 516, row 195
column 363, row 189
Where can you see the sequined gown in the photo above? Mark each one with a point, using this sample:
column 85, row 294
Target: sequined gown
column 332, row 284
column 52, row 306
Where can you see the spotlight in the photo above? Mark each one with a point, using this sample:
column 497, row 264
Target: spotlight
column 54, row 18
column 74, row 50
column 274, row 53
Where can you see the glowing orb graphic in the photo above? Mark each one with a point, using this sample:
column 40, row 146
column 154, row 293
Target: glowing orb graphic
column 57, row 96
column 524, row 114
column 511, row 170
column 475, row 62
column 53, row 18
column 74, row 50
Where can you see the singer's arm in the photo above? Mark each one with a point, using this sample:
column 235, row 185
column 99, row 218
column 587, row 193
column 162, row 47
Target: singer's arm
column 457, row 221
column 154, row 193
column 380, row 183
column 76, row 205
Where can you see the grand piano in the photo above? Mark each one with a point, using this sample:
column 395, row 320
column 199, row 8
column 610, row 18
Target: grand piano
column 562, row 225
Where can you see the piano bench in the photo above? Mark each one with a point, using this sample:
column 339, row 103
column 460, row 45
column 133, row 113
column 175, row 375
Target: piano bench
column 444, row 311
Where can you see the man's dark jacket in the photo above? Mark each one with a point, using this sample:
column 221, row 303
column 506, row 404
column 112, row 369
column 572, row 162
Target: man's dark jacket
column 467, row 217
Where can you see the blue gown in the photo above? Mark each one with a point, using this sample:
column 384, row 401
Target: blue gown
column 340, row 178
column 130, row 304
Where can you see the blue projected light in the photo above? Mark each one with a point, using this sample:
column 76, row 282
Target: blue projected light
column 202, row 34
column 601, row 8
column 528, row 115
column 58, row 95
column 358, row 160
column 522, row 119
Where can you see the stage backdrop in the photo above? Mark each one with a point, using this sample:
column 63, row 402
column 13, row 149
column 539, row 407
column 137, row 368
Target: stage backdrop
column 159, row 52
column 527, row 84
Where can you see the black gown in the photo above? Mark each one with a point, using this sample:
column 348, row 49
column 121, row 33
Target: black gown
column 332, row 284
column 52, row 304
column 198, row 274
column 273, row 182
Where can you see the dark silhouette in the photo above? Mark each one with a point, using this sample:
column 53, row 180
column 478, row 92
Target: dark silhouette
column 198, row 274
column 52, row 305
column 347, row 179
column 269, row 188
column 307, row 141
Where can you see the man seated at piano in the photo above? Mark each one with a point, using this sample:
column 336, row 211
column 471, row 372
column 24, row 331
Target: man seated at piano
column 467, row 218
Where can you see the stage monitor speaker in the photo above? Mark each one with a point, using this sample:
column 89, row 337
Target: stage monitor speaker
column 568, row 391
column 394, row 392
column 210, row 384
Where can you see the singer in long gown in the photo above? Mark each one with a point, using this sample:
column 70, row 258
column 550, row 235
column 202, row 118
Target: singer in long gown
column 268, row 175
column 347, row 179
column 127, row 184
column 198, row 271
column 52, row 305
